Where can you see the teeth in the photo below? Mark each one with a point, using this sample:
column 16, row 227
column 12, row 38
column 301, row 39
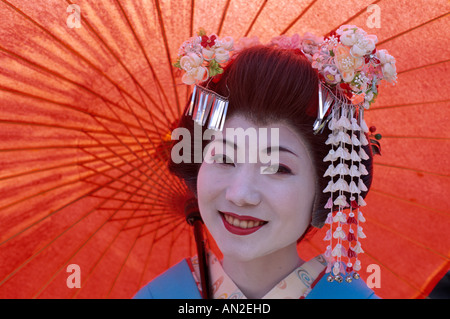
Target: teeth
column 242, row 223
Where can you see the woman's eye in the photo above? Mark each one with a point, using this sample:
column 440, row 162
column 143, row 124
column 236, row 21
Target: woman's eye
column 283, row 170
column 223, row 159
column 276, row 169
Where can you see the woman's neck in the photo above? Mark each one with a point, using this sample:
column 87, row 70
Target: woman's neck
column 255, row 278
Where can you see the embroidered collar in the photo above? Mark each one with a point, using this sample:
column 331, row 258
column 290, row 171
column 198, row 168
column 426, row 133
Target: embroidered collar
column 294, row 286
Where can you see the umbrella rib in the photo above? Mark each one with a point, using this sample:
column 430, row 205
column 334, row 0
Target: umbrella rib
column 424, row 66
column 67, row 165
column 156, row 194
column 151, row 244
column 405, row 105
column 407, row 238
column 118, row 168
column 107, row 129
column 163, row 190
column 56, row 147
column 261, row 8
column 412, row 169
column 127, row 147
column 66, row 128
column 122, row 266
column 161, row 90
column 181, row 222
column 68, row 47
column 106, row 249
column 413, row 28
column 222, row 19
column 135, row 81
column 176, row 184
column 100, row 143
column 175, row 236
column 432, row 280
column 165, row 213
column 118, row 189
column 166, row 45
column 158, row 227
column 168, row 217
column 88, row 90
column 434, row 210
column 354, row 16
column 79, row 249
column 129, row 163
column 378, row 262
column 63, row 185
column 145, row 132
column 131, row 151
column 41, row 170
column 407, row 282
column 28, row 260
column 121, row 200
column 54, row 188
column 191, row 21
column 191, row 34
column 76, row 180
column 157, row 202
column 124, row 262
column 70, row 128
column 157, row 175
column 147, row 259
column 65, row 105
column 129, row 253
column 418, row 137
column 290, row 25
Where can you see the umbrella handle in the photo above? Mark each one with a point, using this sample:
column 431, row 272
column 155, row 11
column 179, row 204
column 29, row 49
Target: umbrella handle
column 202, row 258
column 194, row 219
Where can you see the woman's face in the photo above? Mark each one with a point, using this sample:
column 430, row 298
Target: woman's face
column 253, row 209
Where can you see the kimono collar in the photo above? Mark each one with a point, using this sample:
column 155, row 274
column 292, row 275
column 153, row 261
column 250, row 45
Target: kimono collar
column 294, row 286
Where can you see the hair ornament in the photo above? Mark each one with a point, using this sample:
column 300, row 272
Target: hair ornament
column 350, row 69
column 201, row 58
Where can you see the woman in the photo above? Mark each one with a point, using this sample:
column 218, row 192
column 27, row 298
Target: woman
column 258, row 211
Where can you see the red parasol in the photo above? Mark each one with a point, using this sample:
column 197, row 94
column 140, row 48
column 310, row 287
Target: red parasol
column 88, row 97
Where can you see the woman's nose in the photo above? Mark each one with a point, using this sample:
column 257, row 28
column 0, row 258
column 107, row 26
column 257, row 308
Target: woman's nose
column 243, row 188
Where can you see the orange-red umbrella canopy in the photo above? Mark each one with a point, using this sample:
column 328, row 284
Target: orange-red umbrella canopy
column 88, row 98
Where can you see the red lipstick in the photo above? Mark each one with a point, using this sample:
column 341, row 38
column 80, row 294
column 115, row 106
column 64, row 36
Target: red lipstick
column 241, row 225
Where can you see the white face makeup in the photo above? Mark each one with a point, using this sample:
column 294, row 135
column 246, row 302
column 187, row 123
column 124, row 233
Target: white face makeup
column 249, row 213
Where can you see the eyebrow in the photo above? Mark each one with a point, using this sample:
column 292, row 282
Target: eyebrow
column 280, row 148
column 229, row 143
column 269, row 149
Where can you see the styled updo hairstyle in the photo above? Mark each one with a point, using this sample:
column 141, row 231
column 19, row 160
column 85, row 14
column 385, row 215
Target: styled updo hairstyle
column 268, row 84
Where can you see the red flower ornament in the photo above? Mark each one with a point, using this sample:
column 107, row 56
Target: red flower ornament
column 208, row 42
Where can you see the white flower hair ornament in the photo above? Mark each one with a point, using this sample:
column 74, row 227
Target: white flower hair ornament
column 202, row 57
column 350, row 69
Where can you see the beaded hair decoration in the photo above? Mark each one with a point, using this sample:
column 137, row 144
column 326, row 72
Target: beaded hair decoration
column 350, row 69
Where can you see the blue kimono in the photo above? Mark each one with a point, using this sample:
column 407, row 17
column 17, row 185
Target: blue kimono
column 178, row 283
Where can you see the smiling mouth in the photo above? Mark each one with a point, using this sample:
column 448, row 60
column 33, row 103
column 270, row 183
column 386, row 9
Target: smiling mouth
column 241, row 225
